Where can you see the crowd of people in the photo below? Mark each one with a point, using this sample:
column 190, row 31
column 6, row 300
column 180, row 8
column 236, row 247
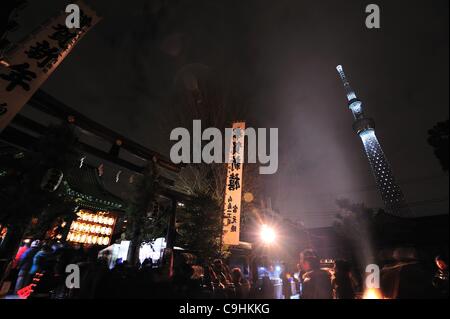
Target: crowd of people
column 405, row 277
column 44, row 268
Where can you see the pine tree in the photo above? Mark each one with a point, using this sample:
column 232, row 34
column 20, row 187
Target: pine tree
column 200, row 226
column 143, row 224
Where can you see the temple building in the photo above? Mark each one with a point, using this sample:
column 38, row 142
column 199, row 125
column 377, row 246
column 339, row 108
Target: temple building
column 98, row 182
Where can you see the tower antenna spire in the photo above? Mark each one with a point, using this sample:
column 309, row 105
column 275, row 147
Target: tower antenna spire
column 354, row 104
column 350, row 92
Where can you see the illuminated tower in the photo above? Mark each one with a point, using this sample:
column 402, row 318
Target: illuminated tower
column 390, row 192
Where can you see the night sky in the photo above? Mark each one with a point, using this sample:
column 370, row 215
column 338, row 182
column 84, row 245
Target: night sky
column 281, row 56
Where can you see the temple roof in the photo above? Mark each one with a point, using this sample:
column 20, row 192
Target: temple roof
column 86, row 187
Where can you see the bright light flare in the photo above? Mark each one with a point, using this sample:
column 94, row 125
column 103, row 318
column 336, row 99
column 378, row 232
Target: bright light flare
column 372, row 293
column 267, row 235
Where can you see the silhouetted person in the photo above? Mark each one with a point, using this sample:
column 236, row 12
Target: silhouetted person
column 342, row 283
column 220, row 279
column 316, row 282
column 19, row 254
column 241, row 285
column 42, row 260
column 147, row 263
column 25, row 263
column 267, row 288
column 43, row 264
column 407, row 278
column 286, row 278
column 92, row 274
column 186, row 281
column 440, row 280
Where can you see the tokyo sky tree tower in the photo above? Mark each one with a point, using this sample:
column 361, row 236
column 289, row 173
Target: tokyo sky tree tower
column 390, row 192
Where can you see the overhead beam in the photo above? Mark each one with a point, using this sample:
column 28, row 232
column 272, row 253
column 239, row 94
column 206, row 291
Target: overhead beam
column 48, row 104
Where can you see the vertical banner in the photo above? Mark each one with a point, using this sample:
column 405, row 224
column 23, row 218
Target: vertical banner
column 233, row 190
column 32, row 61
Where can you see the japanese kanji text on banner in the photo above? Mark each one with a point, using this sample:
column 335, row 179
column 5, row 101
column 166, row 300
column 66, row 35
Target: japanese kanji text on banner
column 233, row 190
column 32, row 61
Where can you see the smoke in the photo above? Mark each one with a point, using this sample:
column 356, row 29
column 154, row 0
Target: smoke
column 355, row 225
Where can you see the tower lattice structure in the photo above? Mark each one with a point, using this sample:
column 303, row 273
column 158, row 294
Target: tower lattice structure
column 388, row 188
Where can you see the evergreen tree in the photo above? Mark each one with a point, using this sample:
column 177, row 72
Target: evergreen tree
column 143, row 224
column 200, row 226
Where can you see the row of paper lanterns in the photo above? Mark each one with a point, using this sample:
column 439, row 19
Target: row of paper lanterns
column 91, row 228
column 95, row 218
column 84, row 238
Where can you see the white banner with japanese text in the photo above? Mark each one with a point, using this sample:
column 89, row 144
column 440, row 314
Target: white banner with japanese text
column 28, row 65
column 233, row 190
